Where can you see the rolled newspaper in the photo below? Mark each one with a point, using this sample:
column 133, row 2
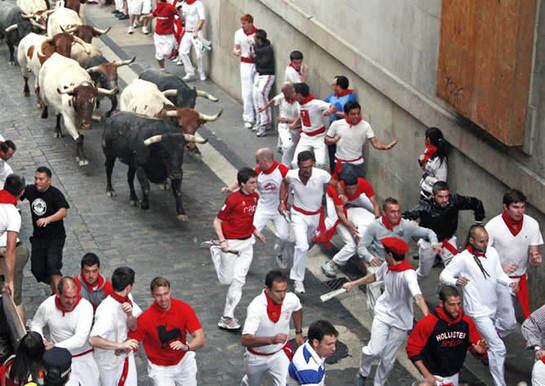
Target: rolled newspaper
column 332, row 294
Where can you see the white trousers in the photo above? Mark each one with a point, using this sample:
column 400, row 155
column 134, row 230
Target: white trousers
column 304, row 228
column 506, row 321
column 452, row 380
column 263, row 216
column 496, row 348
column 84, row 371
column 247, row 75
column 426, row 256
column 383, row 345
column 232, row 270
column 182, row 374
column 164, row 44
column 361, row 218
column 262, row 90
column 286, row 141
column 110, row 377
column 119, row 5
column 374, row 290
column 184, row 51
column 256, row 366
column 538, row 374
column 317, row 145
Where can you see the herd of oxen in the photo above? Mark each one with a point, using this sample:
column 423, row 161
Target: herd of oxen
column 156, row 121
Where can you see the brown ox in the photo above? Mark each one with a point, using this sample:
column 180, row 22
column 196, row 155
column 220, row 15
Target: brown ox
column 60, row 43
column 74, row 5
column 86, row 32
column 189, row 120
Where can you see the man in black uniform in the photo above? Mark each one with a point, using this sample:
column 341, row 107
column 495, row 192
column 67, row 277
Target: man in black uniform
column 439, row 341
column 264, row 80
column 440, row 214
column 49, row 208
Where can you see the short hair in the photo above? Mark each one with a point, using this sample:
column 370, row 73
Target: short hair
column 389, row 201
column 6, row 145
column 512, row 196
column 265, row 153
column 348, row 176
column 10, row 144
column 471, row 232
column 439, row 186
column 288, row 86
column 275, row 276
column 44, row 169
column 396, row 256
column 90, row 259
column 157, row 282
column 66, row 281
column 247, row 17
column 245, row 174
column 261, row 34
column 122, row 277
column 14, row 184
column 319, row 329
column 305, row 156
column 349, row 106
column 342, row 81
column 448, row 291
column 301, row 88
column 296, row 55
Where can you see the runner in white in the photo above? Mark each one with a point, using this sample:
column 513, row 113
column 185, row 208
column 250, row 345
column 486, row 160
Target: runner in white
column 114, row 317
column 296, row 71
column 517, row 238
column 244, row 45
column 68, row 318
column 478, row 271
column 266, row 331
column 194, row 16
column 309, row 185
column 288, row 111
column 311, row 113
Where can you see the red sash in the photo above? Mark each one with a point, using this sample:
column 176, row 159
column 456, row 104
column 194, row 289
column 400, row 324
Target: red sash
column 124, row 373
column 449, row 247
column 314, row 132
column 306, row 212
column 244, row 59
column 522, row 294
column 286, row 348
column 83, row 353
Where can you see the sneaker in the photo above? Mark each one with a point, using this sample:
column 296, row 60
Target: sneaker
column 281, row 262
column 130, row 31
column 248, row 125
column 328, row 268
column 178, row 62
column 261, row 131
column 145, row 30
column 299, row 288
column 202, row 77
column 228, row 323
column 360, row 380
column 115, row 12
column 255, row 127
column 188, row 77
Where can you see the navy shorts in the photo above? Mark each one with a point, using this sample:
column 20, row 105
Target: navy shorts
column 46, row 258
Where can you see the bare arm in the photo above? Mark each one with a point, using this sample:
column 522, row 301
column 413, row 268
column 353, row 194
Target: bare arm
column 331, row 140
column 9, row 260
column 57, row 216
column 421, row 303
column 424, row 371
column 381, row 146
column 236, row 49
column 367, row 279
column 105, row 344
column 268, row 105
column 198, row 340
column 284, row 190
column 376, row 208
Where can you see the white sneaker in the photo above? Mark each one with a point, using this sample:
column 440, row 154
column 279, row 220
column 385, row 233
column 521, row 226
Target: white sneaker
column 130, row 31
column 255, row 127
column 328, row 268
column 188, row 77
column 299, row 288
column 228, row 323
column 145, row 30
column 178, row 62
column 248, row 125
column 202, row 77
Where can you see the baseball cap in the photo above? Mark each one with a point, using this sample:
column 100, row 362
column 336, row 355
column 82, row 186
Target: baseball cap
column 57, row 363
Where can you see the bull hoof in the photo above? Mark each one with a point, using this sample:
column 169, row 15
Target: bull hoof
column 111, row 193
column 182, row 217
column 12, row 63
column 44, row 114
column 133, row 202
column 58, row 134
column 27, row 93
column 144, row 205
column 164, row 186
column 83, row 162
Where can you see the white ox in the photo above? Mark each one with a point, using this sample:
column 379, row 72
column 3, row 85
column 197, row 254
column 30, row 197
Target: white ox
column 30, row 7
column 82, row 54
column 61, row 20
column 68, row 88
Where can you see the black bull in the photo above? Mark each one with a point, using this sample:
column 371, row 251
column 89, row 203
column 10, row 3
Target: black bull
column 10, row 16
column 153, row 149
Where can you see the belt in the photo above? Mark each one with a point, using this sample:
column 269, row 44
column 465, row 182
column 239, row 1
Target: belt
column 306, row 212
column 244, row 59
column 83, row 353
column 314, row 132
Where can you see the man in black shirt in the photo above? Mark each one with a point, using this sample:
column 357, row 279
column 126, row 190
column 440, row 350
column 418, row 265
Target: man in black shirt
column 440, row 214
column 264, row 80
column 48, row 207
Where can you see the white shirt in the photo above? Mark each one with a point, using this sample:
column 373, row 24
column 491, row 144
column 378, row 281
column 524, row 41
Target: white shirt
column 395, row 306
column 5, row 171
column 307, row 368
column 285, row 109
column 246, row 42
column 69, row 331
column 308, row 197
column 292, row 75
column 193, row 13
column 350, row 146
column 111, row 324
column 480, row 299
column 311, row 116
column 514, row 249
column 268, row 186
column 258, row 322
column 10, row 220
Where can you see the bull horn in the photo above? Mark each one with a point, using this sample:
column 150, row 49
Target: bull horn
column 152, row 140
column 83, row 44
column 94, row 69
column 210, row 118
column 125, row 62
column 171, row 113
column 49, row 12
column 101, row 31
column 204, row 94
column 37, row 25
column 27, row 16
column 96, row 118
column 69, row 30
column 105, row 91
column 68, row 90
column 195, row 138
column 171, row 92
column 12, row 27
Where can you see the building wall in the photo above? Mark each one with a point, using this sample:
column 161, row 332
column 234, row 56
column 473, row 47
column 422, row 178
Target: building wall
column 388, row 50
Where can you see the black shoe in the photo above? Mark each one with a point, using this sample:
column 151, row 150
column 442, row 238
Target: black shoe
column 122, row 17
column 360, row 380
column 116, row 12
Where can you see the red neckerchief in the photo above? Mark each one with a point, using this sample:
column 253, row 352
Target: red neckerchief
column 90, row 287
column 350, row 123
column 273, row 310
column 121, row 299
column 475, row 253
column 7, row 198
column 272, row 168
column 429, row 152
column 60, row 306
column 189, row 2
column 442, row 315
column 343, row 93
column 404, row 265
column 388, row 224
column 307, row 99
column 514, row 226
column 252, row 31
column 289, row 100
column 292, row 66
